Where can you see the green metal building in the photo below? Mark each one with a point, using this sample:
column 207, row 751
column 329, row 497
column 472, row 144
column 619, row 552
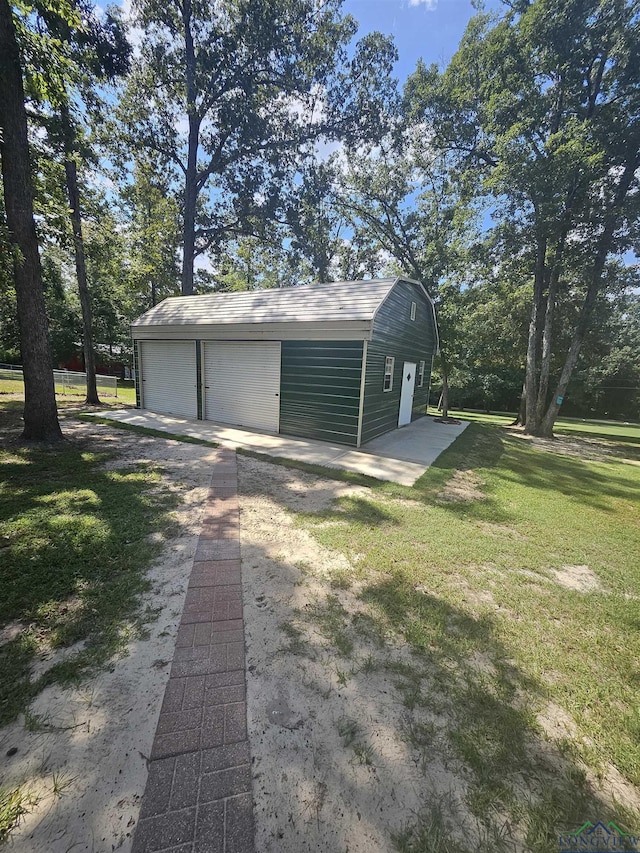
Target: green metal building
column 341, row 362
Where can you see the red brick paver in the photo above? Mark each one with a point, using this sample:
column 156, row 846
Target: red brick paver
column 198, row 795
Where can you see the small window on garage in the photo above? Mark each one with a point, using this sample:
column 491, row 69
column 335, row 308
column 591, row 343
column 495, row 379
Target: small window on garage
column 421, row 374
column 413, row 310
column 387, row 385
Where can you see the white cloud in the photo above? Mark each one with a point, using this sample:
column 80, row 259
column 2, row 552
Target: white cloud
column 181, row 125
column 310, row 109
column 203, row 262
column 428, row 4
column 328, row 148
column 134, row 34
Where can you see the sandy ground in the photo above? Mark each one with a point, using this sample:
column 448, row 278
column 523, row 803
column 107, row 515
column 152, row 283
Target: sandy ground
column 87, row 764
column 332, row 769
column 588, row 448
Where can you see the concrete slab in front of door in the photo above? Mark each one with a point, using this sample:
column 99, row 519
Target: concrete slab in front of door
column 421, row 441
column 400, row 456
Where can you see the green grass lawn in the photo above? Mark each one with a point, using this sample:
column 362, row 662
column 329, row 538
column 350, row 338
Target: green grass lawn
column 126, row 391
column 75, row 544
column 471, row 569
column 609, row 430
column 477, row 579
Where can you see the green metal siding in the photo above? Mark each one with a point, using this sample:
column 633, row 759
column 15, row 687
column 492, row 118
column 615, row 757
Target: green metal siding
column 320, row 389
column 395, row 334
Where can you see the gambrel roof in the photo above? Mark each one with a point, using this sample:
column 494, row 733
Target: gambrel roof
column 338, row 310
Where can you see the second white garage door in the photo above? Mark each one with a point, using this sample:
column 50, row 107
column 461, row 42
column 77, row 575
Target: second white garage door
column 242, row 383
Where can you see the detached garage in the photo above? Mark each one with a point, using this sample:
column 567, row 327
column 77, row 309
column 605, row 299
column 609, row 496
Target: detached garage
column 342, row 362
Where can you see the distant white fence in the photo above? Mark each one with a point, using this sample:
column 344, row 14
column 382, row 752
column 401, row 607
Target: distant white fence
column 66, row 381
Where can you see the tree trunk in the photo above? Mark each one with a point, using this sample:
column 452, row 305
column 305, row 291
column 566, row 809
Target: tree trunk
column 547, row 337
column 547, row 333
column 154, row 297
column 612, row 222
column 546, row 426
column 531, row 380
column 191, row 177
column 189, row 226
column 40, row 412
column 71, row 173
column 521, row 417
column 323, row 266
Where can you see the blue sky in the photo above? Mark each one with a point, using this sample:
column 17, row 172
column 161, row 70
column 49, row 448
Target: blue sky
column 427, row 29
column 423, row 29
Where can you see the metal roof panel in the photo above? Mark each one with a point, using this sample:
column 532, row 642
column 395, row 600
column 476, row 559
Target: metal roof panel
column 310, row 303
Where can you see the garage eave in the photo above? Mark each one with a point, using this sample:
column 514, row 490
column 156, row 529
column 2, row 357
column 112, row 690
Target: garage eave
column 355, row 330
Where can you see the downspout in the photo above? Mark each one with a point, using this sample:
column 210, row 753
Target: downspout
column 363, row 374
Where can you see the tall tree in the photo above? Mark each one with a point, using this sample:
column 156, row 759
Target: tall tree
column 611, row 380
column 401, row 196
column 114, row 300
column 96, row 51
column 359, row 258
column 544, row 106
column 69, row 134
column 314, row 219
column 152, row 235
column 229, row 96
column 40, row 412
column 252, row 263
column 488, row 308
column 63, row 309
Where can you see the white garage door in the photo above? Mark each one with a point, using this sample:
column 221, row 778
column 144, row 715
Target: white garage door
column 242, row 383
column 169, row 377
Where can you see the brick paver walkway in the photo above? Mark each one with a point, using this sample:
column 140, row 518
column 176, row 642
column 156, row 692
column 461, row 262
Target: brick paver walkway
column 198, row 795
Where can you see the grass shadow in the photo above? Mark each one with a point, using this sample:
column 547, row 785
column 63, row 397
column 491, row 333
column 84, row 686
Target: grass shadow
column 464, row 675
column 10, row 415
column 354, row 510
column 142, row 430
column 484, row 649
column 76, row 540
column 467, row 707
column 482, row 448
column 582, row 482
column 606, row 436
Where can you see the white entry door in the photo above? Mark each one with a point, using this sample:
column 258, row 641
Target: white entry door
column 242, row 383
column 406, row 394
